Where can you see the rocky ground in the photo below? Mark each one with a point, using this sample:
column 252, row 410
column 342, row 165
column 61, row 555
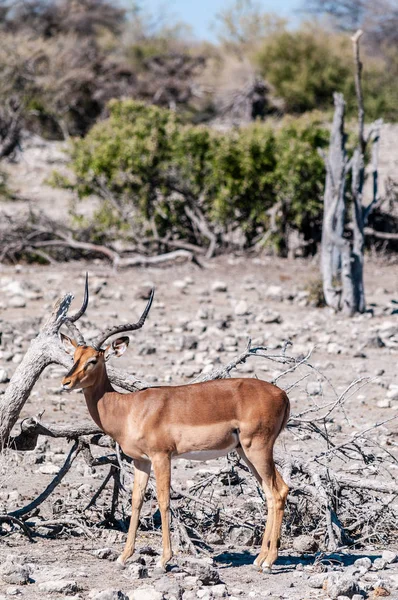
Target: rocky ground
column 200, row 318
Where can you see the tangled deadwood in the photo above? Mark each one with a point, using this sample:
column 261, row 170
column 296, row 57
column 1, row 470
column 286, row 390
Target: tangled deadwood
column 342, row 492
column 40, row 239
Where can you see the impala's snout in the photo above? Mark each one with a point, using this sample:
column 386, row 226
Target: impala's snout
column 66, row 384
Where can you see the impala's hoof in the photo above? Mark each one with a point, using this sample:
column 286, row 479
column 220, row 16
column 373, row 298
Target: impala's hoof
column 159, row 569
column 259, row 561
column 121, row 563
column 267, row 569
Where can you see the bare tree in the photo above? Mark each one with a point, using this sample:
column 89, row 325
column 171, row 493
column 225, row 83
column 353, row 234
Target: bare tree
column 343, row 257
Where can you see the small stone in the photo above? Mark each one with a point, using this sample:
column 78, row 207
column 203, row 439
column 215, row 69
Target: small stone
column 48, row 469
column 304, row 543
column 180, row 284
column 14, row 573
column 379, row 564
column 219, row 590
column 4, row 376
column 241, row 536
column 106, row 553
column 392, row 394
column 137, row 571
column 17, row 302
column 61, row 586
column 241, row 308
column 380, row 592
column 389, row 556
column 314, row 388
column 147, row 593
column 219, row 286
column 364, row 562
column 275, row 292
column 385, row 403
column 317, row 580
column 357, row 597
column 207, row 574
column 338, row 585
column 110, row 594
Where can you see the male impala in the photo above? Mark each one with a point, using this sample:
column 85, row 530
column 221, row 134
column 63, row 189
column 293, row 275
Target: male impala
column 200, row 421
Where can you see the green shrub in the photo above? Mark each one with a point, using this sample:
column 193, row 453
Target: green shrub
column 151, row 167
column 306, row 66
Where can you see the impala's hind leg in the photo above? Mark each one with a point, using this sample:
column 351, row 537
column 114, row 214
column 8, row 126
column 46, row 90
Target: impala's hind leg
column 275, row 491
column 142, row 470
column 270, row 513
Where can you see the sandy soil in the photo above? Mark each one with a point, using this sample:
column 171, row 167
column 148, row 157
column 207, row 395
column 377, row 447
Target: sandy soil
column 187, row 307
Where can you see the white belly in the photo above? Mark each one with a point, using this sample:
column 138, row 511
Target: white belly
column 209, row 454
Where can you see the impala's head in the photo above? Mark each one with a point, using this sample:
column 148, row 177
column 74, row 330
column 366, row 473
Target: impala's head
column 89, row 360
column 89, row 363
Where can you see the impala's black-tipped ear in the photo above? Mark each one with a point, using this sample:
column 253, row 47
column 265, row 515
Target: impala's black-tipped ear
column 69, row 344
column 117, row 347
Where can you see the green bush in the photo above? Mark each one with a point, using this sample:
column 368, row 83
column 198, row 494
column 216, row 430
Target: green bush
column 152, row 167
column 306, row 66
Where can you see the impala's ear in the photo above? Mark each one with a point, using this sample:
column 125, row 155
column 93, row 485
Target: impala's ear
column 69, row 344
column 117, row 348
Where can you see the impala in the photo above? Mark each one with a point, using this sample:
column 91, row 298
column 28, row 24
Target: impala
column 200, row 421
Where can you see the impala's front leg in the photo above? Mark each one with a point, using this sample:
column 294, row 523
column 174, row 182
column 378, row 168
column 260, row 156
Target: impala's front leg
column 142, row 470
column 162, row 469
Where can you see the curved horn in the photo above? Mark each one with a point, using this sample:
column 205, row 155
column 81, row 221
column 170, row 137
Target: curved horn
column 97, row 343
column 83, row 307
column 70, row 321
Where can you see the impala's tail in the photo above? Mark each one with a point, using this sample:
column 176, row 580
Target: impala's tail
column 287, row 413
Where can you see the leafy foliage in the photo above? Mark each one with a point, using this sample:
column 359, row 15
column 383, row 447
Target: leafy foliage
column 306, row 66
column 149, row 167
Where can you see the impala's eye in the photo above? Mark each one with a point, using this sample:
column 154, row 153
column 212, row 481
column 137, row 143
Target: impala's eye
column 90, row 363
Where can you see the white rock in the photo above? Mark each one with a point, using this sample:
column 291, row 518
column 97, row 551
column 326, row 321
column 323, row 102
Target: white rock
column 385, row 403
column 180, row 284
column 4, row 376
column 241, row 308
column 65, row 586
column 314, row 388
column 392, row 394
column 219, row 286
column 364, row 562
column 109, row 594
column 275, row 292
column 389, row 556
column 219, row 590
column 49, row 469
column 17, row 302
column 147, row 593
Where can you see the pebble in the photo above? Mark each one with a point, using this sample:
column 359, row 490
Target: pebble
column 14, row 573
column 110, row 594
column 4, row 376
column 338, row 585
column 241, row 308
column 317, row 580
column 379, row 564
column 389, row 556
column 61, row 586
column 105, row 553
column 304, row 543
column 364, row 562
column 147, row 593
column 314, row 388
column 385, row 403
column 219, row 286
column 16, row 302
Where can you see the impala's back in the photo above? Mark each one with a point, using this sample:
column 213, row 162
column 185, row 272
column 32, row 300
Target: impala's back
column 205, row 420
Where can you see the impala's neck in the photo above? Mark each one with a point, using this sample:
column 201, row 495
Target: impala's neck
column 96, row 392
